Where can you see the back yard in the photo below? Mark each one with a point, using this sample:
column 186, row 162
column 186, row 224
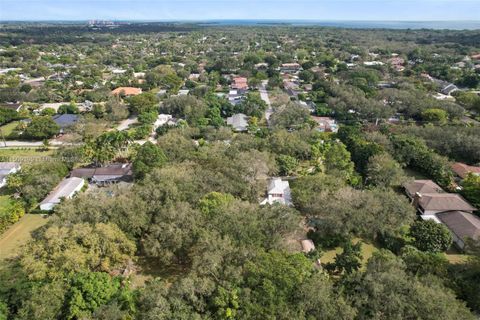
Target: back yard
column 19, row 233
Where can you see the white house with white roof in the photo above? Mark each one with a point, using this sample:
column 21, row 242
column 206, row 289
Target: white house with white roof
column 278, row 192
column 163, row 119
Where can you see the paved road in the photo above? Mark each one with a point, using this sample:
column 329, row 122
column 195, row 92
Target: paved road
column 33, row 144
column 26, row 144
column 264, row 96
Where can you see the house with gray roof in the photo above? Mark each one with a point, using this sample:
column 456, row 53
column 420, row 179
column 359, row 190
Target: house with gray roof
column 421, row 186
column 433, row 203
column 65, row 121
column 106, row 175
column 462, row 225
column 238, row 121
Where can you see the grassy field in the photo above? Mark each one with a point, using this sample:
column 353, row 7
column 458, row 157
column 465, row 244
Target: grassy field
column 8, row 128
column 367, row 251
column 18, row 234
column 4, row 199
column 25, row 153
column 456, row 257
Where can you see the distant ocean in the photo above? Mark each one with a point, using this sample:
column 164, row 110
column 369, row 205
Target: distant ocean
column 454, row 25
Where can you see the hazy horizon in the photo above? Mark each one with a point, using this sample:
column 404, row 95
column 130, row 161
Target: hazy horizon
column 189, row 10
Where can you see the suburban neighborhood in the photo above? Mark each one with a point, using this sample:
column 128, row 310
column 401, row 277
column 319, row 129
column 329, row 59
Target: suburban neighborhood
column 187, row 170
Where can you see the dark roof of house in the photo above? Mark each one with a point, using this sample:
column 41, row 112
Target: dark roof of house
column 11, row 106
column 462, row 224
column 116, row 169
column 119, row 169
column 82, row 172
column 422, row 186
column 444, row 202
column 65, row 120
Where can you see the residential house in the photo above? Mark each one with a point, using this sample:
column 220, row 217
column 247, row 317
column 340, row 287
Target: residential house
column 139, row 75
column 194, row 76
column 65, row 121
column 261, row 66
column 444, row 87
column 278, row 192
column 373, row 63
column 11, row 106
column 434, row 203
column 462, row 225
column 85, row 106
column 234, row 97
column 65, row 190
column 291, row 88
column 475, row 56
column 290, row 67
column 240, row 83
column 238, row 121
column 326, row 124
column 462, row 170
column 164, row 119
column 118, row 71
column 7, row 168
column 397, row 63
column 421, row 186
column 127, row 91
column 106, row 175
column 448, row 89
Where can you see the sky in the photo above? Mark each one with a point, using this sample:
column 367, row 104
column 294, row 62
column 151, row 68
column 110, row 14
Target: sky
column 199, row 10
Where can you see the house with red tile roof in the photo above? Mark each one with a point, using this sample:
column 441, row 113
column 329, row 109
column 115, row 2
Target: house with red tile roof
column 127, row 91
column 240, row 83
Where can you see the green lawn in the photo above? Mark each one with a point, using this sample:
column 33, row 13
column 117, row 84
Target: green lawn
column 367, row 251
column 8, row 128
column 19, row 233
column 452, row 255
column 4, row 199
column 409, row 172
column 456, row 257
column 25, row 152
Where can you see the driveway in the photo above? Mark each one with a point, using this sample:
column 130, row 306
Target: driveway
column 126, row 123
column 264, row 95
